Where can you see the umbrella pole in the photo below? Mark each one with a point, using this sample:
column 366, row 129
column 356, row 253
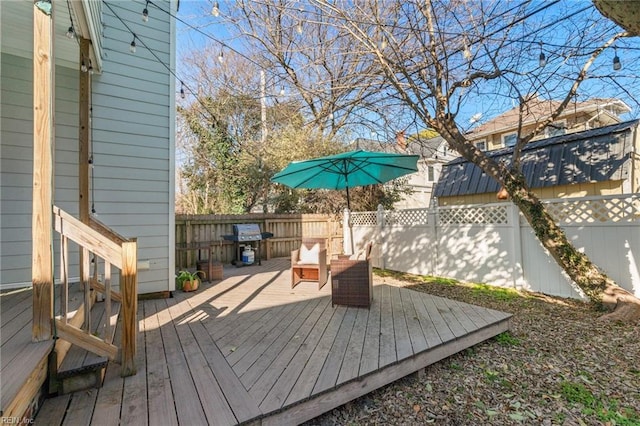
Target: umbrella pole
column 349, row 221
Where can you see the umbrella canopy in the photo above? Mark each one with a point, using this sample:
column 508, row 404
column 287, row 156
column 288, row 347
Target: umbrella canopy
column 346, row 170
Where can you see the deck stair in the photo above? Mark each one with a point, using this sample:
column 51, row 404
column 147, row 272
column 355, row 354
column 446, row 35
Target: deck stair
column 82, row 369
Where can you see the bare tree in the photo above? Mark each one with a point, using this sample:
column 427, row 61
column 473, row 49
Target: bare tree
column 427, row 63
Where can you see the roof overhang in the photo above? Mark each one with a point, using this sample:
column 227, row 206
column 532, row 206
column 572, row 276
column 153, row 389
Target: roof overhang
column 88, row 24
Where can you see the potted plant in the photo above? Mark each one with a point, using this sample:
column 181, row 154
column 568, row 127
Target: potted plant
column 188, row 281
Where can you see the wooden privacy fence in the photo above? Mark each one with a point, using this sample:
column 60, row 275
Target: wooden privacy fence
column 201, row 236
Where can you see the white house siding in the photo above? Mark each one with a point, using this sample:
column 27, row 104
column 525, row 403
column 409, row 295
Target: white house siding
column 16, row 164
column 133, row 104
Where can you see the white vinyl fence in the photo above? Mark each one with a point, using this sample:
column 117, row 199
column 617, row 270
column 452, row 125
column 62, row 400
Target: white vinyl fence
column 494, row 244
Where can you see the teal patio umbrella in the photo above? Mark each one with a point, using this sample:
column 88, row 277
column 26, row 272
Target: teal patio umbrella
column 346, row 170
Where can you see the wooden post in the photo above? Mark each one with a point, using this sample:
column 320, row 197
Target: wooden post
column 129, row 292
column 84, row 133
column 41, row 218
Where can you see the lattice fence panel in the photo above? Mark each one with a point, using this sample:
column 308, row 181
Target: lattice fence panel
column 578, row 211
column 407, row 217
column 482, row 215
column 364, row 218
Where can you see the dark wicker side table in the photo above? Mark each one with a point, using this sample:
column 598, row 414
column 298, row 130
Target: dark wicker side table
column 351, row 282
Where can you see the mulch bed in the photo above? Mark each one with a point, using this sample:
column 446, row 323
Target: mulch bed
column 559, row 365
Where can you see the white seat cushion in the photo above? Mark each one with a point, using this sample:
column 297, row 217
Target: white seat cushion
column 309, row 256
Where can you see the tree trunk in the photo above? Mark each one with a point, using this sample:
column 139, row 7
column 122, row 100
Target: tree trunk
column 595, row 284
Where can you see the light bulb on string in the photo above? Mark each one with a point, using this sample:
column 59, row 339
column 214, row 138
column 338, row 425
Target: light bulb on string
column 182, row 94
column 132, row 46
column 466, row 53
column 216, row 10
column 617, row 65
column 71, row 33
column 384, row 43
column 299, row 28
column 84, row 67
column 221, row 57
column 145, row 13
column 90, row 68
column 542, row 60
column 282, row 92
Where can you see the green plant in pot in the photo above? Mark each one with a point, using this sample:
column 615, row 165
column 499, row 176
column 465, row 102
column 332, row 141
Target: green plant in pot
column 188, row 281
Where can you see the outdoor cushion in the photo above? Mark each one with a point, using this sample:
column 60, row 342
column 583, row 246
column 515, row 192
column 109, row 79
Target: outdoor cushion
column 360, row 255
column 309, row 256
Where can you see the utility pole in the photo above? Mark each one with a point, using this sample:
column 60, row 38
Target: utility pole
column 263, row 134
column 263, row 107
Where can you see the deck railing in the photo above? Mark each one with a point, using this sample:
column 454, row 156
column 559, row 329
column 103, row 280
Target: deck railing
column 104, row 245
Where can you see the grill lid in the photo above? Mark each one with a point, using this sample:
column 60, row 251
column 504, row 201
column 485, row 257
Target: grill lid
column 246, row 229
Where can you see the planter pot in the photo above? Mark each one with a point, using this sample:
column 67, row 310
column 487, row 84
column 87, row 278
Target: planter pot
column 190, row 285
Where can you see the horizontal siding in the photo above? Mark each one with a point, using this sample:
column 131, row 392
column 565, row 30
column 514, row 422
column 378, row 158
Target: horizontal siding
column 16, row 160
column 131, row 146
column 131, row 139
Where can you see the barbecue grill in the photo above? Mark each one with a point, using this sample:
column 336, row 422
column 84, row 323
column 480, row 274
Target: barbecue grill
column 248, row 234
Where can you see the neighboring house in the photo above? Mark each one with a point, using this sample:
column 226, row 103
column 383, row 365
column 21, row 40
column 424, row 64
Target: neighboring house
column 129, row 134
column 501, row 132
column 433, row 152
column 602, row 161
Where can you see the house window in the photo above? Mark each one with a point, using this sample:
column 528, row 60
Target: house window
column 556, row 128
column 431, row 174
column 481, row 145
column 509, row 139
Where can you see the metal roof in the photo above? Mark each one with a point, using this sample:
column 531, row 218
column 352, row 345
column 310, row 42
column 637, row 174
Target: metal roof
column 591, row 156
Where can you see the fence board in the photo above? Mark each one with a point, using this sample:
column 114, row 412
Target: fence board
column 287, row 230
column 493, row 243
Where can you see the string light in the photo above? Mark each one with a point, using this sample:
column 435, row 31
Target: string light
column 182, row 95
column 145, row 13
column 282, row 92
column 384, row 43
column 216, row 10
column 617, row 65
column 132, row 46
column 90, row 68
column 84, row 67
column 466, row 52
column 221, row 56
column 299, row 28
column 71, row 32
column 542, row 61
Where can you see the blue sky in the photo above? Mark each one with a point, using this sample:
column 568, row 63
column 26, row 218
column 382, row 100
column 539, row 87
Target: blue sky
column 197, row 13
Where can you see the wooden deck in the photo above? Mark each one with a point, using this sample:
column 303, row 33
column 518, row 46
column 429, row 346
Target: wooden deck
column 24, row 364
column 251, row 349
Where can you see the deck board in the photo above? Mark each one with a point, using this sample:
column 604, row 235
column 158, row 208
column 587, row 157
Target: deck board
column 160, row 395
column 260, row 361
column 371, row 347
column 416, row 334
column 266, row 382
column 333, row 359
column 250, row 348
column 387, row 332
column 213, row 401
column 404, row 348
column 351, row 360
